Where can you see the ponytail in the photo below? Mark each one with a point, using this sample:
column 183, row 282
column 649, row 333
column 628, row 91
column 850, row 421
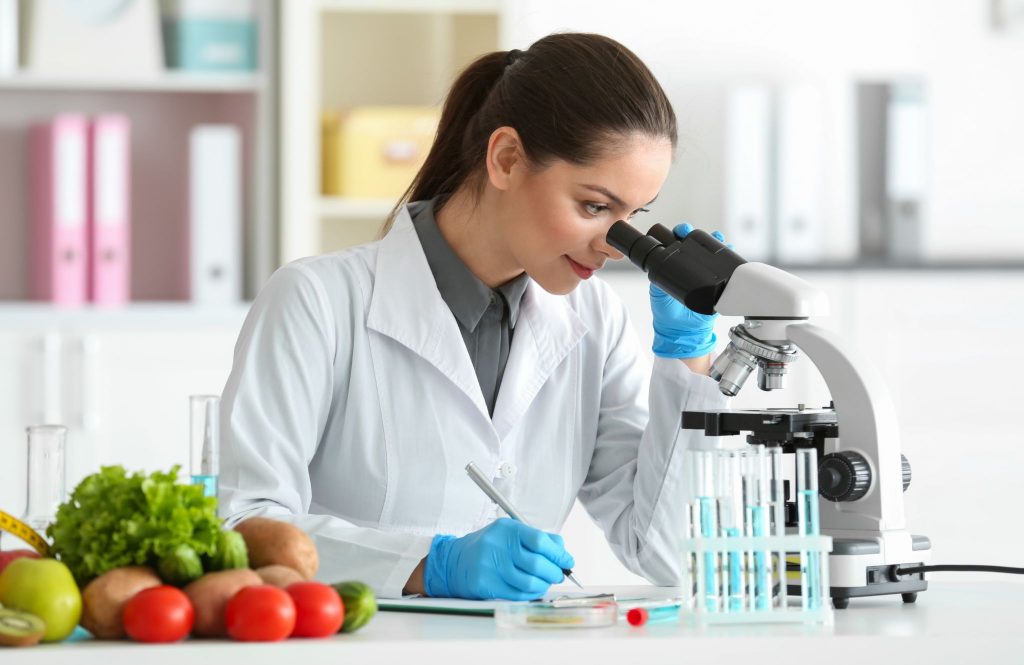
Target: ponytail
column 569, row 96
column 444, row 169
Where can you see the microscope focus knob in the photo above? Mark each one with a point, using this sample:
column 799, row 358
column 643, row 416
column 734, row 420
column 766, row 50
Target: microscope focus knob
column 906, row 472
column 844, row 476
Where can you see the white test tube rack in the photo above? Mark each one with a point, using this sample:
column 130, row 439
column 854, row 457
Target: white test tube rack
column 800, row 609
column 742, row 577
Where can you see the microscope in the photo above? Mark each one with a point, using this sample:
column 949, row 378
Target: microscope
column 861, row 473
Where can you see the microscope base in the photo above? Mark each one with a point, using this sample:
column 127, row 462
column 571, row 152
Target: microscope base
column 855, row 559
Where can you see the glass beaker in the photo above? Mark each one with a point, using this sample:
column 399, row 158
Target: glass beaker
column 45, row 475
column 204, row 441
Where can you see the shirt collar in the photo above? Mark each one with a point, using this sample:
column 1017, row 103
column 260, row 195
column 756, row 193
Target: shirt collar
column 462, row 291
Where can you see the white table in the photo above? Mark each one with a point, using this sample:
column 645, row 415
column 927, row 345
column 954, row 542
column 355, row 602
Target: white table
column 952, row 622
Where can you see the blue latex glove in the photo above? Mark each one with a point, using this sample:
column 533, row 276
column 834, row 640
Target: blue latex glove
column 680, row 332
column 506, row 559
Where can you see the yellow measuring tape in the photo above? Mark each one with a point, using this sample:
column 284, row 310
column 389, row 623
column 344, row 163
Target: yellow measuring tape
column 13, row 525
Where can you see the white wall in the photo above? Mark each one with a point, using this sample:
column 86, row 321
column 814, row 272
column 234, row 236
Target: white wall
column 974, row 86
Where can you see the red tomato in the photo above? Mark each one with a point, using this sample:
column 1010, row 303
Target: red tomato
column 261, row 613
column 158, row 614
column 319, row 611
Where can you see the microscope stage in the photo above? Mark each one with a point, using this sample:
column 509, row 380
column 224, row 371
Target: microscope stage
column 779, row 426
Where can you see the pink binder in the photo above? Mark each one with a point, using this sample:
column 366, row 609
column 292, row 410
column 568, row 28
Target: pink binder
column 108, row 212
column 57, row 237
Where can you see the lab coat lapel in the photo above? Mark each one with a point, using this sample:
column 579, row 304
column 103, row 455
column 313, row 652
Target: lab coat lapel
column 407, row 307
column 547, row 330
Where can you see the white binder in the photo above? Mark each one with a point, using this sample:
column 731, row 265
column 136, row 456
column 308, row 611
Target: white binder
column 215, row 211
column 747, row 182
column 800, row 161
column 8, row 37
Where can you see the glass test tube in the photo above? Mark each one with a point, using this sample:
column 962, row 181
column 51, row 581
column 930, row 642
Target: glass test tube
column 706, row 514
column 45, row 475
column 807, row 518
column 204, row 441
column 760, row 515
column 689, row 563
column 730, row 493
column 778, row 502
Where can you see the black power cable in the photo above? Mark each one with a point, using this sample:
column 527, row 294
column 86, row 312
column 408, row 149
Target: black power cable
column 910, row 570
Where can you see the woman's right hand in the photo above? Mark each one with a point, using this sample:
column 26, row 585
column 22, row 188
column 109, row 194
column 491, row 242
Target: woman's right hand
column 506, row 559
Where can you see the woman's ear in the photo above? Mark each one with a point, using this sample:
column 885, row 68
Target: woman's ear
column 504, row 154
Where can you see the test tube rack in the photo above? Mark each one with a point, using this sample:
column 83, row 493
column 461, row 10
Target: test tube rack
column 736, row 543
column 717, row 606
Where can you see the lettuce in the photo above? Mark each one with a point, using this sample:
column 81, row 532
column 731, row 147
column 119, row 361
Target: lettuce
column 113, row 520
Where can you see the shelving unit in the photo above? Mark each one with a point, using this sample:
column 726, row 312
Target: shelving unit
column 344, row 53
column 162, row 110
column 119, row 378
column 167, row 82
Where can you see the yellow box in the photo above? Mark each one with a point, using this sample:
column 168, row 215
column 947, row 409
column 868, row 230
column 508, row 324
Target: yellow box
column 375, row 151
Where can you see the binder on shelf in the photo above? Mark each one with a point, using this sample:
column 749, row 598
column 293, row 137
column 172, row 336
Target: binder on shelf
column 8, row 37
column 800, row 220
column 109, row 211
column 58, row 202
column 906, row 169
column 748, row 163
column 215, row 215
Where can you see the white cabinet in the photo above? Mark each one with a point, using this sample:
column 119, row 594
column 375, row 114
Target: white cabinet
column 119, row 381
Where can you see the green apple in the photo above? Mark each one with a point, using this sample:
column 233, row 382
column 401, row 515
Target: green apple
column 45, row 588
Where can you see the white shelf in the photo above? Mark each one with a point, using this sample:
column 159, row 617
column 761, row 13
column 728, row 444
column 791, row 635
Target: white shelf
column 413, row 6
column 332, row 207
column 166, row 82
column 161, row 316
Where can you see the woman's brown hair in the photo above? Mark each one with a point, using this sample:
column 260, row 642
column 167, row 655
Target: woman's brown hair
column 569, row 97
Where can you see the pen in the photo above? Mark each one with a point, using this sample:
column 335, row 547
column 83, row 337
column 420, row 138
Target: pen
column 491, row 491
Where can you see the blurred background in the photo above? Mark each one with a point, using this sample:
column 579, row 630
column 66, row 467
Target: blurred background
column 160, row 159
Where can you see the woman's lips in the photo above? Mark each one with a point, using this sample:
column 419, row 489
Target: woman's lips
column 580, row 270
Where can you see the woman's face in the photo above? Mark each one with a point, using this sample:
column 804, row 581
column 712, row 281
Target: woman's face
column 555, row 219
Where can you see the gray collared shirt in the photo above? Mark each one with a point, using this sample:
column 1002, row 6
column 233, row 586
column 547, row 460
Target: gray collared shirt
column 486, row 316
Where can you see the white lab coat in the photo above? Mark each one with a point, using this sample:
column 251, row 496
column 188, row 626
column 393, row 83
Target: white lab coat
column 352, row 409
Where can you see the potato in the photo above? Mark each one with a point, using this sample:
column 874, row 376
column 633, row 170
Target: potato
column 210, row 595
column 104, row 598
column 279, row 576
column 276, row 542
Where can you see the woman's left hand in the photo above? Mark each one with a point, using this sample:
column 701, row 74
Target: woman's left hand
column 680, row 332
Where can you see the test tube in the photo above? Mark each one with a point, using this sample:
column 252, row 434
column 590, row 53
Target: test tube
column 689, row 562
column 730, row 495
column 204, row 441
column 45, row 476
column 707, row 526
column 760, row 515
column 807, row 519
column 778, row 502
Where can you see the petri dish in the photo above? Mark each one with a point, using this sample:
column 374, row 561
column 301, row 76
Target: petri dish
column 544, row 615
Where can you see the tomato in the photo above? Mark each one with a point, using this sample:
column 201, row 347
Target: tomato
column 158, row 614
column 261, row 613
column 319, row 611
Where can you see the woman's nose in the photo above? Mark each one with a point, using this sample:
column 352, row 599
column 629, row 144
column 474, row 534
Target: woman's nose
column 601, row 245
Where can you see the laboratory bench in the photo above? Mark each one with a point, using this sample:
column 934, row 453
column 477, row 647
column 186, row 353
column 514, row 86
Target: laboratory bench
column 952, row 622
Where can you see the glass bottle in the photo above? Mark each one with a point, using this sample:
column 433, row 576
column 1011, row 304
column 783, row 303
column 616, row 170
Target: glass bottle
column 45, row 475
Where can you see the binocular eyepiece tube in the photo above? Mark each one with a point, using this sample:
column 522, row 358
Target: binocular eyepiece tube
column 695, row 271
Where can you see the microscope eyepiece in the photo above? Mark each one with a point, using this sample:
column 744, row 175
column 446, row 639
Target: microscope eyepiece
column 694, row 270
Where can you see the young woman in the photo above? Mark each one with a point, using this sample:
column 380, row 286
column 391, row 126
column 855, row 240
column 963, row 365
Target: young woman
column 364, row 381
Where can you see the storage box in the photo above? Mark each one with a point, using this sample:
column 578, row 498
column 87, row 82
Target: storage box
column 210, row 45
column 212, row 35
column 375, row 151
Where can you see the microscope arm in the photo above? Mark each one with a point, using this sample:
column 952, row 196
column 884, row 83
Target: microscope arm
column 867, row 424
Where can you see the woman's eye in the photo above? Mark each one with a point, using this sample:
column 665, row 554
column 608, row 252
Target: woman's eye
column 595, row 208
column 633, row 214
